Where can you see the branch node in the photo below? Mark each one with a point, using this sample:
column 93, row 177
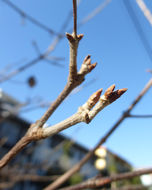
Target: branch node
column 86, row 118
column 35, row 132
column 70, row 37
column 73, row 39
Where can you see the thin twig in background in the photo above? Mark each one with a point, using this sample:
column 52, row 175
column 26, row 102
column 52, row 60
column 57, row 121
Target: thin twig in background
column 145, row 10
column 36, row 47
column 15, row 178
column 94, row 12
column 131, row 187
column 31, row 19
column 29, row 177
column 138, row 28
column 27, row 107
column 40, row 57
column 78, row 166
column 100, row 181
column 140, row 116
column 31, row 63
column 11, row 66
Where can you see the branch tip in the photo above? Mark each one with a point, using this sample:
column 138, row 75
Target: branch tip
column 122, row 91
column 92, row 66
column 87, row 60
column 111, row 88
column 112, row 95
column 94, row 98
column 80, row 36
column 87, row 57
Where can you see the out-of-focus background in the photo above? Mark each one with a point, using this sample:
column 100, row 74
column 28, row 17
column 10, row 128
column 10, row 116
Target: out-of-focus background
column 117, row 35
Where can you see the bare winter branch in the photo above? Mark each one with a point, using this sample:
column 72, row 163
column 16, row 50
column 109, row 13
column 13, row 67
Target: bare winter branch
column 75, row 18
column 99, row 182
column 140, row 116
column 94, row 12
column 31, row 19
column 37, row 132
column 145, row 10
column 78, row 166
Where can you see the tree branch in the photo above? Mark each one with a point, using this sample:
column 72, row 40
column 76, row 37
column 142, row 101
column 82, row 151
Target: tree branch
column 140, row 116
column 36, row 132
column 75, row 18
column 31, row 19
column 96, row 11
column 24, row 141
column 145, row 10
column 100, row 181
column 78, row 166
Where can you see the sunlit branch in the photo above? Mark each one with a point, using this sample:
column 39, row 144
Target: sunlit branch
column 145, row 10
column 100, row 181
column 78, row 166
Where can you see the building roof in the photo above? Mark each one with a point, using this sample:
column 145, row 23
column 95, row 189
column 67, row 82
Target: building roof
column 4, row 97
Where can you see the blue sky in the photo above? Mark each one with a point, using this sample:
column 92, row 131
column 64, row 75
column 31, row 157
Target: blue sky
column 112, row 40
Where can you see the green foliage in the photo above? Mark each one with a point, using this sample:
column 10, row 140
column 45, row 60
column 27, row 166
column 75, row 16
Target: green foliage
column 112, row 168
column 76, row 178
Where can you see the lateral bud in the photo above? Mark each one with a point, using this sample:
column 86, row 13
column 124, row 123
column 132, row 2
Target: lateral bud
column 92, row 66
column 94, row 98
column 79, row 36
column 71, row 38
column 87, row 66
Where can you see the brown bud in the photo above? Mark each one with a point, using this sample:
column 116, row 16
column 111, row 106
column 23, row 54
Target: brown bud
column 80, row 36
column 69, row 37
column 94, row 98
column 122, row 91
column 110, row 89
column 72, row 39
column 88, row 57
column 87, row 61
column 112, row 95
column 92, row 66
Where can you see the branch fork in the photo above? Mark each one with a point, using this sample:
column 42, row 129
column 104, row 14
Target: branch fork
column 85, row 113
